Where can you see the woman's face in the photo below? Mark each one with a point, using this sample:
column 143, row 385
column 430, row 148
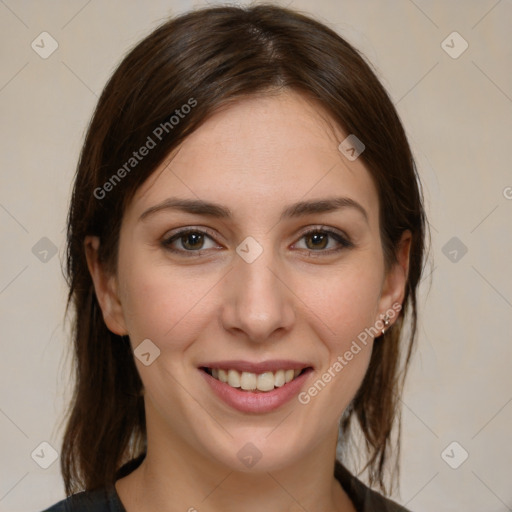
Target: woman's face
column 258, row 286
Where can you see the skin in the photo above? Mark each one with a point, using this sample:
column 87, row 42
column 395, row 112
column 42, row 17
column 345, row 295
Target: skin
column 254, row 157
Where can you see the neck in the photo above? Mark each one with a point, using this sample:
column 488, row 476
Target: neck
column 176, row 477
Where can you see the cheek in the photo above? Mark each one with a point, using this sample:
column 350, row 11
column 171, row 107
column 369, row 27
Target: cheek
column 163, row 304
column 346, row 301
column 346, row 306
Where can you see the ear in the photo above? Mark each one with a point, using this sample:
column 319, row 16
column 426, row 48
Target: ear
column 106, row 288
column 393, row 288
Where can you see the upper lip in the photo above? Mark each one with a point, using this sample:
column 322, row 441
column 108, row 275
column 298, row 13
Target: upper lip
column 261, row 367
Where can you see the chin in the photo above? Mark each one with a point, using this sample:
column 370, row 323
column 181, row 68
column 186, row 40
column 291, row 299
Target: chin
column 254, row 451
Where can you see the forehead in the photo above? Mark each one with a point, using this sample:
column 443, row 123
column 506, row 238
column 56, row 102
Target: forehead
column 259, row 154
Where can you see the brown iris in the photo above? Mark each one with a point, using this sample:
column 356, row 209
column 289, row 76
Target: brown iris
column 320, row 237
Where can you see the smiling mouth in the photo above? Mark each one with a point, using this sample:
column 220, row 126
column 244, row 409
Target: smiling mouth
column 247, row 381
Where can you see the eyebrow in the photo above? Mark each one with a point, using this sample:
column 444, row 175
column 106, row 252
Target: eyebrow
column 300, row 209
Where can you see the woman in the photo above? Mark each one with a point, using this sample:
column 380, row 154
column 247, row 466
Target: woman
column 245, row 238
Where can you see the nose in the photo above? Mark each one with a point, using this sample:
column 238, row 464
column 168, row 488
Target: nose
column 258, row 301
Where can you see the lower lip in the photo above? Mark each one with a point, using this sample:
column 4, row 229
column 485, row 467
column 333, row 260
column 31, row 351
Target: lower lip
column 246, row 401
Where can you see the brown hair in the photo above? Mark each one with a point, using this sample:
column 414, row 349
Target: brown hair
column 213, row 56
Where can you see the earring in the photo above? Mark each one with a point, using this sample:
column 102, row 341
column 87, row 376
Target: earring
column 386, row 324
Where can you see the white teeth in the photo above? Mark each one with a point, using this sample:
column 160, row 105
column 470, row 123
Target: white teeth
column 266, row 381
column 249, row 381
column 279, row 379
column 233, row 378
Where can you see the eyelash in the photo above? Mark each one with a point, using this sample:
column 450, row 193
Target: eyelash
column 344, row 242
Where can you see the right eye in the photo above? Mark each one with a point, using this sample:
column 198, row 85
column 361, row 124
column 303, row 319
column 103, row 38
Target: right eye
column 191, row 241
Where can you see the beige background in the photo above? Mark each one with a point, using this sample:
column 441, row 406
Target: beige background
column 458, row 114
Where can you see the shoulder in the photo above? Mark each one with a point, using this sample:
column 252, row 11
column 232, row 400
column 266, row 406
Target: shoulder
column 364, row 498
column 98, row 500
column 104, row 499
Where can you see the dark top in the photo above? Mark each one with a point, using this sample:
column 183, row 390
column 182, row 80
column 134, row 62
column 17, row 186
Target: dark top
column 106, row 499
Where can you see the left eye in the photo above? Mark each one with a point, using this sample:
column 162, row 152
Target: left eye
column 319, row 239
column 193, row 240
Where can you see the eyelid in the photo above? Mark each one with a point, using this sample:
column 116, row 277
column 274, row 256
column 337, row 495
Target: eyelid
column 191, row 229
column 325, row 229
column 343, row 240
column 167, row 239
column 339, row 236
